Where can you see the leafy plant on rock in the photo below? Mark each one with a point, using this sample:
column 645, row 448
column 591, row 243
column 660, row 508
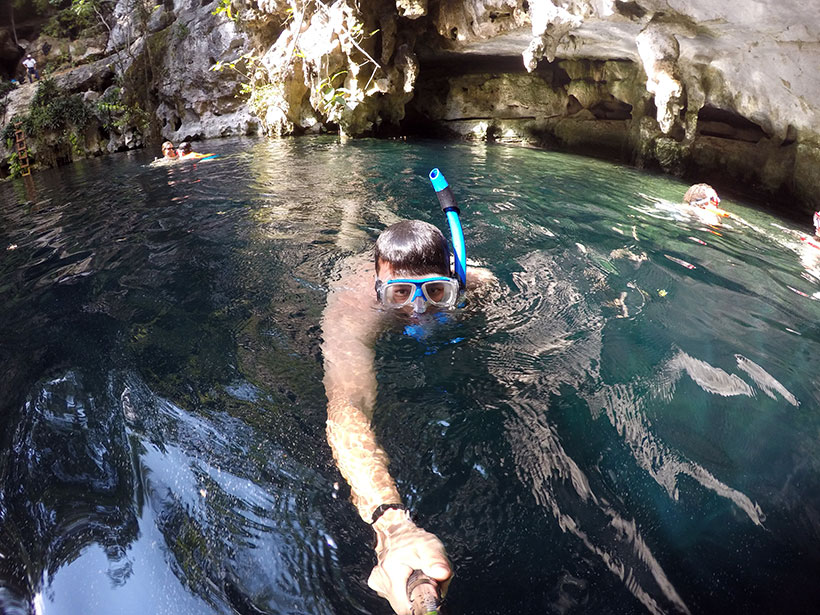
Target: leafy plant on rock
column 117, row 115
column 51, row 111
column 225, row 8
column 68, row 23
column 54, row 123
column 334, row 98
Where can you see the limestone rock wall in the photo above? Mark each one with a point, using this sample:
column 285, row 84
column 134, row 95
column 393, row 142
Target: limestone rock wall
column 148, row 78
column 705, row 89
column 176, row 45
column 693, row 87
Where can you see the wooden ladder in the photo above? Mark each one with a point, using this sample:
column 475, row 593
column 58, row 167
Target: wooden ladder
column 22, row 150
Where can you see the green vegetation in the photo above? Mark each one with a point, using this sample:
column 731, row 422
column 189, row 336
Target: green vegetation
column 5, row 88
column 90, row 9
column 78, row 18
column 52, row 110
column 67, row 23
column 39, row 7
column 116, row 115
column 54, row 124
column 56, row 62
column 333, row 98
column 224, row 8
column 14, row 165
column 181, row 31
column 8, row 131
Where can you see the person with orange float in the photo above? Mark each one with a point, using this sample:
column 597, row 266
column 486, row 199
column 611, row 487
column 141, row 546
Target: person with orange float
column 184, row 152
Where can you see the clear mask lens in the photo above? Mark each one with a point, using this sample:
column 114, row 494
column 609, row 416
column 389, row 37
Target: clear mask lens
column 398, row 294
column 442, row 293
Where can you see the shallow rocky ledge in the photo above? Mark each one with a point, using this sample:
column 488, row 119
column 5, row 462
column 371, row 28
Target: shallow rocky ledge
column 714, row 91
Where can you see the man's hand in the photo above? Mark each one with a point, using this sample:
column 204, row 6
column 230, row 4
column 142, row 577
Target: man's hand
column 401, row 548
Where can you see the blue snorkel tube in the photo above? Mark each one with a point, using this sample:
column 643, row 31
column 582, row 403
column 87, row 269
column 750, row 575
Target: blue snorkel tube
column 449, row 207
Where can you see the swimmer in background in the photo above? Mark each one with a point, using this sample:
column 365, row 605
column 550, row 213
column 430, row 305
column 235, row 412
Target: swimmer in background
column 701, row 195
column 810, row 249
column 704, row 201
column 168, row 151
column 184, row 151
column 410, row 274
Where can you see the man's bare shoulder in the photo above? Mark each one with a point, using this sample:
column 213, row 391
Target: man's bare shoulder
column 479, row 277
column 353, row 282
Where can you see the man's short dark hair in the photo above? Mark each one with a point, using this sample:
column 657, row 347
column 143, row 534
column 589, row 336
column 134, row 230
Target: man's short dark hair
column 414, row 248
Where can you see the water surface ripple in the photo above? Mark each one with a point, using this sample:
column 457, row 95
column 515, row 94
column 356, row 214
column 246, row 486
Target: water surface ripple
column 627, row 422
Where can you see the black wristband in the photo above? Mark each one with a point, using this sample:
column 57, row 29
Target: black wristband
column 383, row 508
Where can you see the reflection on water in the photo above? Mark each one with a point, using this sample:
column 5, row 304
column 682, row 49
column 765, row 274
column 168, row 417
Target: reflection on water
column 627, row 418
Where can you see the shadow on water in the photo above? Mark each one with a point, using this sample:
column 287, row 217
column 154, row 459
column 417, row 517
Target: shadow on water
column 625, row 423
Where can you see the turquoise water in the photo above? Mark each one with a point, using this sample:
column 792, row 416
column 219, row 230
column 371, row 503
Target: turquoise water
column 626, row 423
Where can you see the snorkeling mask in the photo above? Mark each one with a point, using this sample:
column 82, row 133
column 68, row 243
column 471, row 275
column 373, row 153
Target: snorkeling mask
column 439, row 291
column 707, row 200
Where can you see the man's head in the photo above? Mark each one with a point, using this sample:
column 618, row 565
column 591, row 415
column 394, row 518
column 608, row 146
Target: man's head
column 413, row 267
column 701, row 195
column 412, row 248
column 184, row 148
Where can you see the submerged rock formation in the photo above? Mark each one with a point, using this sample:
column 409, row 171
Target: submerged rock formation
column 711, row 91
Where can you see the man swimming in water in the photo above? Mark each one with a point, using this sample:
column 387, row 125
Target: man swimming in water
column 701, row 195
column 705, row 202
column 410, row 273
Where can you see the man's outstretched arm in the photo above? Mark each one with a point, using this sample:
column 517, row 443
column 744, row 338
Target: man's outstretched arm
column 349, row 328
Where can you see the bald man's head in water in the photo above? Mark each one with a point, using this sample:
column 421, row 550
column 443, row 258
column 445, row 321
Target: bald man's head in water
column 701, row 195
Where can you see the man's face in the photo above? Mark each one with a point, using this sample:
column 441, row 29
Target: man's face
column 435, row 290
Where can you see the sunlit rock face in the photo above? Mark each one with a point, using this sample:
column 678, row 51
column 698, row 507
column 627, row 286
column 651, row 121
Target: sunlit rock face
column 176, row 47
column 702, row 89
column 696, row 88
column 720, row 92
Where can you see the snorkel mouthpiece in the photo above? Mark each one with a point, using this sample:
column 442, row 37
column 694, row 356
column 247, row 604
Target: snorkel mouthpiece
column 443, row 191
column 449, row 207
